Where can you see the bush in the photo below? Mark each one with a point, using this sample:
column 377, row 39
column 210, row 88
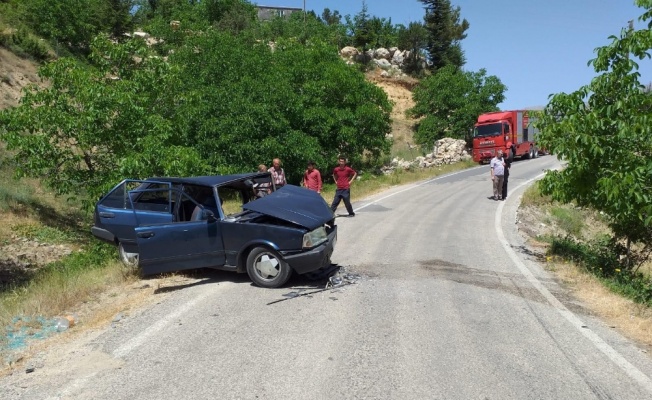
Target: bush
column 24, row 44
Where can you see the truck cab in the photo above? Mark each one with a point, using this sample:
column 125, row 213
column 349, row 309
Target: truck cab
column 503, row 130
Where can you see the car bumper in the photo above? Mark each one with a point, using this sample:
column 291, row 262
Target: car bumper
column 102, row 234
column 314, row 259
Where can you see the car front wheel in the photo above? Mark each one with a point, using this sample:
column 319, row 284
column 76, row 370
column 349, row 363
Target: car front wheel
column 267, row 269
column 130, row 260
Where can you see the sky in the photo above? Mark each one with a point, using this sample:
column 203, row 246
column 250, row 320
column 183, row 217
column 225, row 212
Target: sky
column 535, row 47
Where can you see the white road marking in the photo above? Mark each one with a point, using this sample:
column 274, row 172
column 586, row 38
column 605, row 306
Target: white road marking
column 416, row 186
column 138, row 340
column 607, row 350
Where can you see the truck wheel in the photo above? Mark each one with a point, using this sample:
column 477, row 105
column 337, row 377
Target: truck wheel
column 130, row 260
column 530, row 154
column 535, row 152
column 267, row 269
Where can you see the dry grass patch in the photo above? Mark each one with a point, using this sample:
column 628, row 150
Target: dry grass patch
column 541, row 219
column 632, row 319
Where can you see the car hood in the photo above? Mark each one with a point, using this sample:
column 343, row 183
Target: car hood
column 294, row 204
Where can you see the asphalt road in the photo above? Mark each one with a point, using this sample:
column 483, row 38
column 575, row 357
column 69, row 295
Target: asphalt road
column 449, row 305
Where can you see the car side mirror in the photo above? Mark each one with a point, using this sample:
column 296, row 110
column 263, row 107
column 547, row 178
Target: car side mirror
column 208, row 215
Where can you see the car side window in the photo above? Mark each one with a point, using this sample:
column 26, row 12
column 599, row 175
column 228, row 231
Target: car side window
column 231, row 200
column 119, row 197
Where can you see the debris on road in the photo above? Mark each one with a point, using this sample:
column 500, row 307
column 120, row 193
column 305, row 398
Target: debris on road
column 337, row 278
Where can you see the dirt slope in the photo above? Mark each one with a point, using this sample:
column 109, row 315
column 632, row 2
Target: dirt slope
column 15, row 73
column 399, row 91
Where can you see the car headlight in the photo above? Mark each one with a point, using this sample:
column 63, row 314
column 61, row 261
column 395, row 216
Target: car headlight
column 315, row 237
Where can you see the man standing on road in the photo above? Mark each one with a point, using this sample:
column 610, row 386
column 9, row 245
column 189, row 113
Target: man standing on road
column 312, row 178
column 508, row 158
column 278, row 175
column 497, row 174
column 343, row 176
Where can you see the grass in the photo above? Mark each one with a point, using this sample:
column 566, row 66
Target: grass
column 60, row 287
column 570, row 220
column 587, row 243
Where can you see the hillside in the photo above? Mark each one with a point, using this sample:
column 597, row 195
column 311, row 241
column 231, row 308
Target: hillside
column 15, row 73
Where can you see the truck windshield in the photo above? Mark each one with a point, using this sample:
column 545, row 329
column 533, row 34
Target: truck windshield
column 487, row 130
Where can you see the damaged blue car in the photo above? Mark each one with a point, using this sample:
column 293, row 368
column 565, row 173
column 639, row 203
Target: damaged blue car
column 237, row 223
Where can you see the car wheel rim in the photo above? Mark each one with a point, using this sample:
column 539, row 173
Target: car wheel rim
column 267, row 266
column 129, row 259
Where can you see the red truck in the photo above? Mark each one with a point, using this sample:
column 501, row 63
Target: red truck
column 502, row 130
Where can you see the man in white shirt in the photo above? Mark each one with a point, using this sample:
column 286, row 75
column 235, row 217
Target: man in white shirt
column 497, row 166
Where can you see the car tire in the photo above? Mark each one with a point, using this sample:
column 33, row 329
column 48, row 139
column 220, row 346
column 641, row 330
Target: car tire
column 130, row 260
column 267, row 269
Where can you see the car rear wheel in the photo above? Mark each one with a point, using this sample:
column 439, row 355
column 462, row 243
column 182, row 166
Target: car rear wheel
column 267, row 269
column 130, row 260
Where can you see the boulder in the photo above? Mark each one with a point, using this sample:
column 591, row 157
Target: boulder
column 382, row 53
column 383, row 64
column 349, row 51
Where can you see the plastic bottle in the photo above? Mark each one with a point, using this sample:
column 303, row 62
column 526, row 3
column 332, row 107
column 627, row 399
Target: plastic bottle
column 61, row 324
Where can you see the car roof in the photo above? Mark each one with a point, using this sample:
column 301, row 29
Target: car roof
column 213, row 180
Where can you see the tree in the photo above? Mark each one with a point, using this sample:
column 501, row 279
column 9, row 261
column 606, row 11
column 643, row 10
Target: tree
column 359, row 27
column 451, row 100
column 331, row 17
column 127, row 113
column 72, row 23
column 414, row 38
column 446, row 31
column 297, row 102
column 97, row 124
column 603, row 132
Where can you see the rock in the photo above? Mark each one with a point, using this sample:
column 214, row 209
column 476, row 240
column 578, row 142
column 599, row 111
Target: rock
column 382, row 53
column 349, row 52
column 383, row 64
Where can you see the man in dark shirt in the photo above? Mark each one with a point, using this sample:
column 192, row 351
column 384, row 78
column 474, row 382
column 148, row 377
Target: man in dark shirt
column 343, row 176
column 507, row 158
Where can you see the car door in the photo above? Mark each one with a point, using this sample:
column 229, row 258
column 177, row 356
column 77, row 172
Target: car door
column 116, row 212
column 181, row 245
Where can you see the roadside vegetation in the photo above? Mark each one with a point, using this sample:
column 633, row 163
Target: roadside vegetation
column 602, row 132
column 583, row 237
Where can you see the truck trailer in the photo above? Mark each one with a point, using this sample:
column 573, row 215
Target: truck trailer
column 507, row 131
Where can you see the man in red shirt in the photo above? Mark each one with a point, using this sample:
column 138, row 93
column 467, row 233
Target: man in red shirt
column 343, row 176
column 312, row 178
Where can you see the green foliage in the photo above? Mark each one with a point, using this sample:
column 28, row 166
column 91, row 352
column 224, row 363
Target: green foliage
column 131, row 114
column 72, row 22
column 297, row 102
column 414, row 38
column 601, row 258
column 23, row 43
column 604, row 133
column 94, row 125
column 45, row 234
column 451, row 100
column 446, row 31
